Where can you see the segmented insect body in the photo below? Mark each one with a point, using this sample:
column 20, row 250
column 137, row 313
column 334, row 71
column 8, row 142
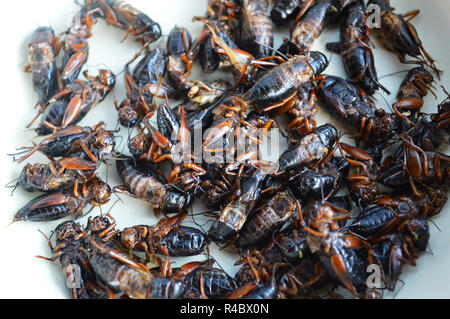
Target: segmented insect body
column 123, row 275
column 399, row 35
column 179, row 65
column 57, row 205
column 266, row 219
column 303, row 112
column 400, row 247
column 344, row 100
column 77, row 100
column 50, row 206
column 60, row 143
column 279, row 85
column 345, row 265
column 285, row 10
column 424, row 167
column 311, row 25
column 167, row 237
column 76, row 47
column 415, row 86
column 122, row 15
column 356, row 50
column 94, row 142
column 42, row 52
column 255, row 32
column 145, row 183
column 318, row 184
column 361, row 179
column 139, row 144
column 217, row 186
column 388, row 212
column 234, row 215
column 212, row 282
column 311, row 149
column 152, row 65
column 337, row 251
column 41, row 178
column 71, row 251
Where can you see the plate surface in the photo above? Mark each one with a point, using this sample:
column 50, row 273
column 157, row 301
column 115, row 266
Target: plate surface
column 24, row 276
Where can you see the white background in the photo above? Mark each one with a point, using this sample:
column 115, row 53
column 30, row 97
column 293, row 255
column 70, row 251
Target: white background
column 24, row 276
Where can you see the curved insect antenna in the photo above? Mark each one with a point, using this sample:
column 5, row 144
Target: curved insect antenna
column 430, row 251
column 13, row 221
column 331, row 56
column 195, row 222
column 398, row 290
column 446, row 92
column 15, row 187
column 12, row 186
column 385, row 100
column 273, row 49
column 223, row 90
column 435, row 225
column 393, row 73
column 26, row 150
column 118, row 198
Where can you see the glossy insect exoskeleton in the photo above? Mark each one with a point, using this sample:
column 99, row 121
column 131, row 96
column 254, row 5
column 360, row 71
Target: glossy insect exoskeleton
column 217, row 186
column 150, row 70
column 388, row 212
column 427, row 167
column 145, row 183
column 400, row 247
column 220, row 137
column 318, row 184
column 42, row 52
column 254, row 34
column 167, row 237
column 336, row 251
column 173, row 141
column 361, row 179
column 57, row 176
column 341, row 258
column 234, row 215
column 96, row 142
column 310, row 26
column 266, row 219
column 76, row 47
column 122, row 15
column 71, row 250
column 208, row 282
column 285, row 10
column 303, row 112
column 399, row 35
column 220, row 15
column 344, row 100
column 60, row 204
column 179, row 65
column 356, row 50
column 279, row 85
column 124, row 275
column 70, row 105
column 139, row 96
column 139, row 144
column 310, row 150
column 249, row 135
column 415, row 86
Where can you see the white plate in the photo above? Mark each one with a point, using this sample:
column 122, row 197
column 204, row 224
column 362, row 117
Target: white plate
column 24, row 276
